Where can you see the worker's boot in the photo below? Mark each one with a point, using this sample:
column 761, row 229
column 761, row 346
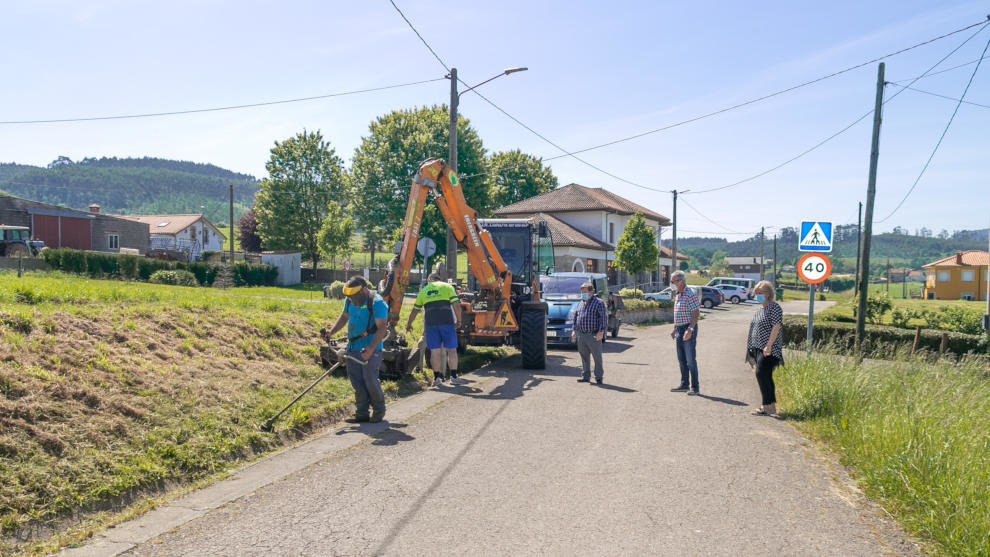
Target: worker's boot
column 377, row 417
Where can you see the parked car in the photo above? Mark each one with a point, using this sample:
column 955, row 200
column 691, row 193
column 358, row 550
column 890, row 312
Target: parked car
column 665, row 294
column 710, row 297
column 733, row 293
column 562, row 293
column 746, row 283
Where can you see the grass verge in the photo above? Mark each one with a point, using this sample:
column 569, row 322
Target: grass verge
column 916, row 435
column 112, row 392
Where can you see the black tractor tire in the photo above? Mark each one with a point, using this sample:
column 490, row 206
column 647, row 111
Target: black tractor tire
column 708, row 304
column 533, row 336
column 735, row 300
column 18, row 250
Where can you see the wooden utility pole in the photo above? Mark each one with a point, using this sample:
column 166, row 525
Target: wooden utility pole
column 871, row 192
column 888, row 276
column 859, row 232
column 231, row 224
column 451, row 259
column 775, row 261
column 763, row 261
column 673, row 242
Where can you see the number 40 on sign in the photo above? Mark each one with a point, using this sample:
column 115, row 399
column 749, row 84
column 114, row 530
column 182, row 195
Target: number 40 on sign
column 814, row 268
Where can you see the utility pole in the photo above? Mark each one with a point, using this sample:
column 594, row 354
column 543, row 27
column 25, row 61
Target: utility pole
column 763, row 264
column 673, row 242
column 451, row 259
column 871, row 192
column 231, row 224
column 775, row 261
column 888, row 276
column 859, row 230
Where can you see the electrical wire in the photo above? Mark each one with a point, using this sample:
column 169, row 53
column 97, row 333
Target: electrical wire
column 426, row 44
column 939, row 95
column 769, row 95
column 693, row 208
column 939, row 142
column 963, row 65
column 219, row 108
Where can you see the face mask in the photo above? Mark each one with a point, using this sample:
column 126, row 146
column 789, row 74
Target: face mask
column 761, row 298
column 585, row 296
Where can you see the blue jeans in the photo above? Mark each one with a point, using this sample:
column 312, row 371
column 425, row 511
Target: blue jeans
column 687, row 351
column 367, row 386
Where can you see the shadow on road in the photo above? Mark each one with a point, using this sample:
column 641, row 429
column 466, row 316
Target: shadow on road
column 724, row 400
column 385, row 433
column 609, row 387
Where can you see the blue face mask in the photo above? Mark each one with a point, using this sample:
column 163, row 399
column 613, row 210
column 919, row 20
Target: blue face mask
column 585, row 296
column 761, row 298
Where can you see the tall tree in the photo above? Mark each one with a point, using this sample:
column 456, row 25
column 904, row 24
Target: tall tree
column 636, row 251
column 247, row 232
column 305, row 176
column 514, row 176
column 384, row 164
column 335, row 234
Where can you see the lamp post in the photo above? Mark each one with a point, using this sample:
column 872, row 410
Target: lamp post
column 455, row 96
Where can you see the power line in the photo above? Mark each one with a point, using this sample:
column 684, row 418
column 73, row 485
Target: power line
column 970, row 63
column 693, row 208
column 219, row 108
column 426, row 44
column 941, row 137
column 843, row 130
column 767, row 96
column 939, row 95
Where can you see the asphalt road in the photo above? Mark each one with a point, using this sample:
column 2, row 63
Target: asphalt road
column 537, row 463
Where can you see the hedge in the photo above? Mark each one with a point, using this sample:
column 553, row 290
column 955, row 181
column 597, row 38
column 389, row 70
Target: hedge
column 881, row 341
column 102, row 265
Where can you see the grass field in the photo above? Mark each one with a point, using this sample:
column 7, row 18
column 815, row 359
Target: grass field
column 111, row 389
column 915, row 434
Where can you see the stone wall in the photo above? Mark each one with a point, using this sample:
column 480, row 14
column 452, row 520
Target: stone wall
column 28, row 263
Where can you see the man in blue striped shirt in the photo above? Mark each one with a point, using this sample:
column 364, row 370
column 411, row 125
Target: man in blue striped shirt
column 590, row 322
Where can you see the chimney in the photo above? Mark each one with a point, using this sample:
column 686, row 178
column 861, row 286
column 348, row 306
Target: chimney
column 959, row 255
column 94, row 208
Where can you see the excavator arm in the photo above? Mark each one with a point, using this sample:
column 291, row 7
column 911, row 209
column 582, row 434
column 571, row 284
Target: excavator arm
column 435, row 177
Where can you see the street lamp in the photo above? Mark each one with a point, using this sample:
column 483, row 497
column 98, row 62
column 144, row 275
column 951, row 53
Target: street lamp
column 452, row 155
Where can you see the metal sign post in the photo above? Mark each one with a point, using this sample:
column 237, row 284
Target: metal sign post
column 813, row 268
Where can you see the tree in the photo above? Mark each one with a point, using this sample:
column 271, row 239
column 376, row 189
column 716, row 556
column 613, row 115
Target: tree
column 384, row 164
column 335, row 234
column 943, row 235
column 247, row 232
column 514, row 176
column 377, row 239
column 305, row 176
column 718, row 266
column 636, row 251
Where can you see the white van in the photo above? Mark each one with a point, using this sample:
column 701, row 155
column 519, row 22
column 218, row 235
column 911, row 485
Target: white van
column 746, row 283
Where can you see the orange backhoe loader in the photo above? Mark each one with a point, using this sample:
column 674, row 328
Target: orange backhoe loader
column 501, row 305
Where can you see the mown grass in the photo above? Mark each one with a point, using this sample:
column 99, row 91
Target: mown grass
column 111, row 391
column 916, row 435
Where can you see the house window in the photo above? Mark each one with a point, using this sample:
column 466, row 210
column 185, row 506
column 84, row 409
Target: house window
column 967, row 275
column 943, row 276
column 113, row 241
column 611, row 232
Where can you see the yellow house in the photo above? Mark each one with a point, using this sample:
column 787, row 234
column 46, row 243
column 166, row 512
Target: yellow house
column 962, row 276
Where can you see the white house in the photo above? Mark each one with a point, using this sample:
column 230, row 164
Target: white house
column 747, row 266
column 192, row 234
column 585, row 223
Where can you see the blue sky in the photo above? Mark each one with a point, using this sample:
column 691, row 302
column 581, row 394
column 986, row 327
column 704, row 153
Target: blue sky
column 598, row 71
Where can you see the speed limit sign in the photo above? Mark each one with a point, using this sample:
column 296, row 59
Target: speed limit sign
column 814, row 268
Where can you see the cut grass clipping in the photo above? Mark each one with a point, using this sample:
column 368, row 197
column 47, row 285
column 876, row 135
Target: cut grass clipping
column 110, row 390
column 916, row 434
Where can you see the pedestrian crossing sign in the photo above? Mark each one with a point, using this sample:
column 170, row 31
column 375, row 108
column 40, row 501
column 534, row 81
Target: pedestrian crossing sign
column 815, row 236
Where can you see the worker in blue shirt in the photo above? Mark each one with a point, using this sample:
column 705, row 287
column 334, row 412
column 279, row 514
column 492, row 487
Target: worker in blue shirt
column 366, row 316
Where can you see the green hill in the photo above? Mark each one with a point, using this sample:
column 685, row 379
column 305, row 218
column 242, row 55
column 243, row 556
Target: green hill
column 901, row 249
column 133, row 186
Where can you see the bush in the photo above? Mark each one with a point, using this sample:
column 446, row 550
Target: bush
column 879, row 341
column 877, row 306
column 176, row 277
column 901, row 317
column 337, row 290
column 631, row 293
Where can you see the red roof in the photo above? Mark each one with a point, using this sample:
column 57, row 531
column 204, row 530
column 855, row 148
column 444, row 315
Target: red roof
column 575, row 197
column 969, row 258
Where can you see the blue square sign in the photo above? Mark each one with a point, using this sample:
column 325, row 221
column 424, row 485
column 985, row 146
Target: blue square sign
column 815, row 236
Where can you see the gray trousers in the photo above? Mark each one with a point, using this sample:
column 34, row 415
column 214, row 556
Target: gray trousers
column 589, row 346
column 367, row 386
